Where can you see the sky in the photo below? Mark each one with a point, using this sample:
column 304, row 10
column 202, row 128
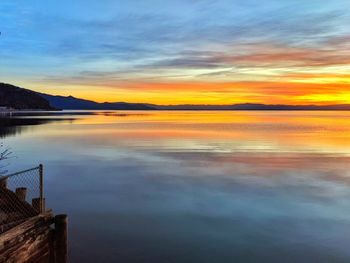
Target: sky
column 179, row 52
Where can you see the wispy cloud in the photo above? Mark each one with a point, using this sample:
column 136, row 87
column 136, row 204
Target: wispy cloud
column 141, row 45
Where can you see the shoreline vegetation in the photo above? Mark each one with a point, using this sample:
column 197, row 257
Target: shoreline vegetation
column 15, row 99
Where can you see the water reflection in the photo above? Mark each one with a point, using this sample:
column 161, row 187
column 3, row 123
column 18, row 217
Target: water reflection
column 11, row 126
column 17, row 122
column 197, row 186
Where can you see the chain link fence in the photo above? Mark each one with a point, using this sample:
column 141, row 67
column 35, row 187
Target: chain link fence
column 21, row 197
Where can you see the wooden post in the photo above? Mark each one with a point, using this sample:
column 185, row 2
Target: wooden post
column 38, row 204
column 52, row 247
column 61, row 245
column 3, row 182
column 21, row 193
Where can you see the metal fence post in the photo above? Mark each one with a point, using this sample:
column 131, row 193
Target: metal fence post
column 41, row 175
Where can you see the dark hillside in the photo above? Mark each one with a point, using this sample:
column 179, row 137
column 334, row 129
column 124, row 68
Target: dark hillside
column 72, row 103
column 22, row 99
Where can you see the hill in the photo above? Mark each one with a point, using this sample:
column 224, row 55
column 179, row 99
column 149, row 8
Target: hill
column 19, row 98
column 72, row 103
column 22, row 99
column 253, row 106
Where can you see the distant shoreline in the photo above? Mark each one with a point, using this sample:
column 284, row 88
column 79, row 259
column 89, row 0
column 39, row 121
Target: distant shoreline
column 73, row 103
column 15, row 99
column 102, row 110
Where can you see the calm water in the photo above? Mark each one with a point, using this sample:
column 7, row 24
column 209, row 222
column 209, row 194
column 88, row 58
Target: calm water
column 197, row 187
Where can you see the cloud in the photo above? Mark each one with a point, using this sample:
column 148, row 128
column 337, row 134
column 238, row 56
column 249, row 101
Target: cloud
column 204, row 46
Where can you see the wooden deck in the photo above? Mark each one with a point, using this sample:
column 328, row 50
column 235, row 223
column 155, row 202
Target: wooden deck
column 28, row 235
column 30, row 241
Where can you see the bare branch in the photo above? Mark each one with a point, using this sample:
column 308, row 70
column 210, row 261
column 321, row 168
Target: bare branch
column 5, row 154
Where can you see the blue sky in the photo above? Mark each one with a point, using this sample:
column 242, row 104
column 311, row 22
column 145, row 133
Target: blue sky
column 105, row 49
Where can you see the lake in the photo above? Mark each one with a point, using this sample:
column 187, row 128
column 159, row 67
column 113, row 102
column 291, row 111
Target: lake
column 193, row 186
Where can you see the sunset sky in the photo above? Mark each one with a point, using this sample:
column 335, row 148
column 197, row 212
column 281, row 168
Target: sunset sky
column 174, row 52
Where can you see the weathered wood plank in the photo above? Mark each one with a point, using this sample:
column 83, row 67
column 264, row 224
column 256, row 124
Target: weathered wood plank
column 36, row 241
column 20, row 240
column 26, row 226
column 29, row 249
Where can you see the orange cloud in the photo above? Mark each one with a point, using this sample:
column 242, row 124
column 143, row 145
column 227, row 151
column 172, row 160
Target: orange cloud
column 256, row 73
column 222, row 92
